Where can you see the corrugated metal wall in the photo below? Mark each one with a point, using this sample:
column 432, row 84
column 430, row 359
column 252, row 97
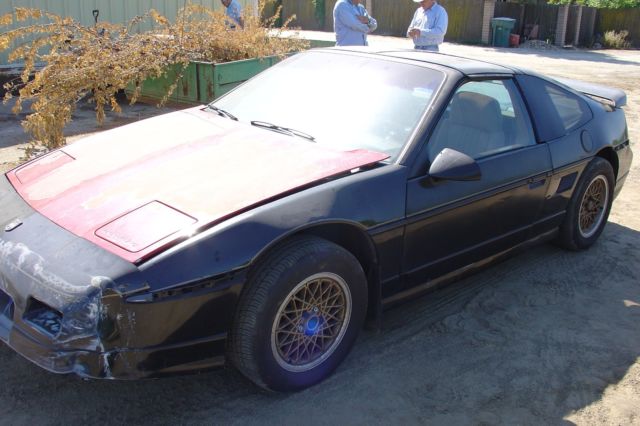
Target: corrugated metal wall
column 115, row 11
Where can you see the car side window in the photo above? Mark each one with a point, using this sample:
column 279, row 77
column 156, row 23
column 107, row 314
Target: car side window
column 483, row 118
column 556, row 111
column 572, row 110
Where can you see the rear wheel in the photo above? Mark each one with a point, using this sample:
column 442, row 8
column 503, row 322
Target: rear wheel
column 299, row 315
column 589, row 207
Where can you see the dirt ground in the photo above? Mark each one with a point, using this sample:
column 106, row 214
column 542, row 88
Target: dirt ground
column 548, row 337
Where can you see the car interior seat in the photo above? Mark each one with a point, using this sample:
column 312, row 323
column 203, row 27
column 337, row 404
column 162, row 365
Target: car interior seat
column 474, row 126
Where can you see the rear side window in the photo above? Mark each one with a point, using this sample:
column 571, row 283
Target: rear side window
column 556, row 111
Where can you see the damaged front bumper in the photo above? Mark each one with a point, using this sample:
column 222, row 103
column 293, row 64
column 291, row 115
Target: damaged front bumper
column 71, row 307
column 39, row 336
column 119, row 363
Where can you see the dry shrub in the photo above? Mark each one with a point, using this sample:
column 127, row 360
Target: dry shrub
column 96, row 62
column 616, row 40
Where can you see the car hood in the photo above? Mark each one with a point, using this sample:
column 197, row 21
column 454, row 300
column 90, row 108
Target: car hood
column 141, row 188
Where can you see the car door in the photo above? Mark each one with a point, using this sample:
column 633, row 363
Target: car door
column 452, row 223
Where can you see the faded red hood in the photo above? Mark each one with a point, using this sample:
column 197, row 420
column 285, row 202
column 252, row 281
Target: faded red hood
column 138, row 189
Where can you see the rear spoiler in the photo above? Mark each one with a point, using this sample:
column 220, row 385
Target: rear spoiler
column 615, row 98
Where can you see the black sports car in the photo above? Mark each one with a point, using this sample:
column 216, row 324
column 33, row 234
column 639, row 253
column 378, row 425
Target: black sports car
column 263, row 229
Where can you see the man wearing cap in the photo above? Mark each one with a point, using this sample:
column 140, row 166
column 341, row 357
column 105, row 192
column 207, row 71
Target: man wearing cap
column 352, row 23
column 429, row 25
column 234, row 12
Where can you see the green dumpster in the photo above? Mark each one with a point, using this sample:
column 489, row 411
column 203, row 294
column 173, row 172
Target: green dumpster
column 201, row 82
column 214, row 80
column 321, row 43
column 501, row 28
column 154, row 89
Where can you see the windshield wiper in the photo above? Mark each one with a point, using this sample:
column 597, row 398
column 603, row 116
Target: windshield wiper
column 285, row 130
column 221, row 112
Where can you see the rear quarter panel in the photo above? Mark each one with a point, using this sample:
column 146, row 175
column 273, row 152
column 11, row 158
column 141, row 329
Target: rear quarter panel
column 606, row 132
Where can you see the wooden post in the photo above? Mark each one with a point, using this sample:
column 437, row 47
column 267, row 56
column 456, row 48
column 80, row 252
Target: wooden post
column 521, row 21
column 561, row 26
column 487, row 15
column 576, row 38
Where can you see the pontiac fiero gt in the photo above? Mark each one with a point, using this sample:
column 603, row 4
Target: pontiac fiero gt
column 265, row 228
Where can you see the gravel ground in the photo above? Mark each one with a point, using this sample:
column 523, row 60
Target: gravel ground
column 548, row 337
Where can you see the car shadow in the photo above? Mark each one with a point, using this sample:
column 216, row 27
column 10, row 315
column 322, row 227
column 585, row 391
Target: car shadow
column 528, row 341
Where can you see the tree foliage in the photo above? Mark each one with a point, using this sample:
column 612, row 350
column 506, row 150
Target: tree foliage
column 96, row 62
column 601, row 4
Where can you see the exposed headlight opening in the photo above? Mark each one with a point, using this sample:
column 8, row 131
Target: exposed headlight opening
column 43, row 317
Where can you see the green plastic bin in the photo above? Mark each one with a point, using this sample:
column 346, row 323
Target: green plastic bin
column 501, row 28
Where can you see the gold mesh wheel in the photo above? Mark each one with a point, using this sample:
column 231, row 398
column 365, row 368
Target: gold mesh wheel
column 311, row 322
column 593, row 206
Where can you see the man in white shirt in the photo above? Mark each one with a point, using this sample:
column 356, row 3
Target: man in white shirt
column 429, row 25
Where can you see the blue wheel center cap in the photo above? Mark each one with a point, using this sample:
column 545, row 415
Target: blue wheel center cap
column 312, row 325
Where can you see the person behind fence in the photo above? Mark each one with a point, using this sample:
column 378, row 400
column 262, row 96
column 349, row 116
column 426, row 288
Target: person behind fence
column 234, row 13
column 352, row 23
column 429, row 25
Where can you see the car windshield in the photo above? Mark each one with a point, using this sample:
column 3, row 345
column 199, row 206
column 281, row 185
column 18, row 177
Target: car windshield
column 344, row 101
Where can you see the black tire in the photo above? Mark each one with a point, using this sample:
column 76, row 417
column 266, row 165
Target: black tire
column 589, row 207
column 272, row 328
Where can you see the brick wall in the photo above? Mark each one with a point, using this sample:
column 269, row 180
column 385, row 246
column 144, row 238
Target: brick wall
column 487, row 15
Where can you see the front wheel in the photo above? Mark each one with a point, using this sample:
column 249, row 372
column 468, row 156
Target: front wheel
column 589, row 206
column 299, row 315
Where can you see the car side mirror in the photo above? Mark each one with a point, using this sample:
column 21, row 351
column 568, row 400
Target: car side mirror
column 450, row 164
